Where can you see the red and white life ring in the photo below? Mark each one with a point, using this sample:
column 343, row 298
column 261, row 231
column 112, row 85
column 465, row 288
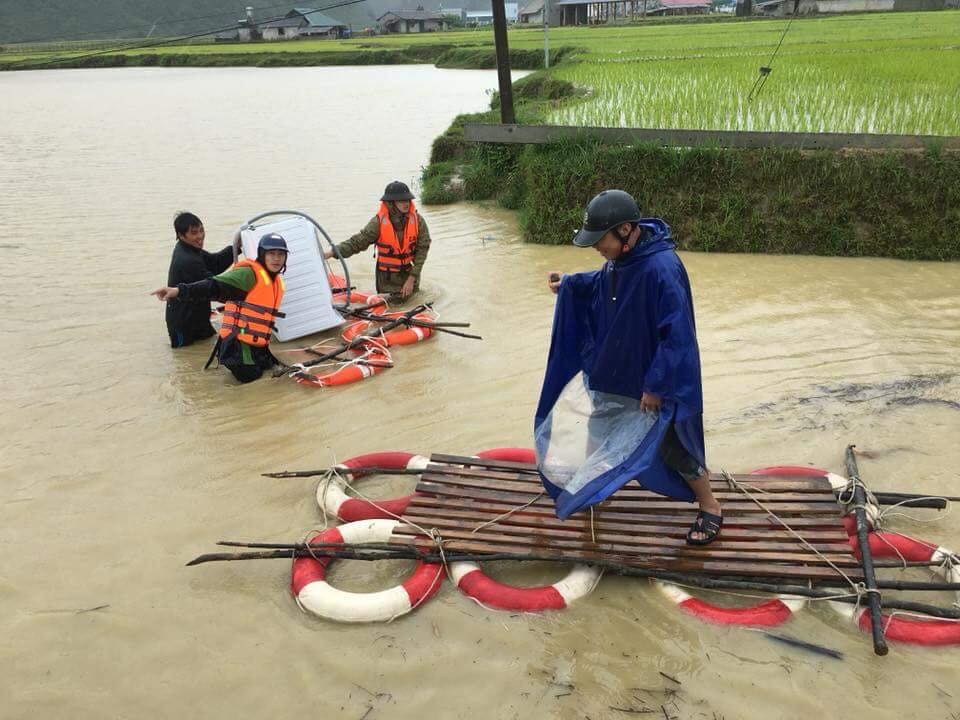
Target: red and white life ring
column 369, row 360
column 316, row 595
column 509, row 454
column 908, row 629
column 332, row 498
column 837, row 482
column 768, row 613
column 400, row 336
column 486, row 591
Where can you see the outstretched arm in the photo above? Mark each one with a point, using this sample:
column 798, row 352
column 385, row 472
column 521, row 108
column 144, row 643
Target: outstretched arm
column 359, row 242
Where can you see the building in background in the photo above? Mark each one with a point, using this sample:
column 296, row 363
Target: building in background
column 299, row 23
column 680, row 7
column 485, row 17
column 532, row 12
column 413, row 21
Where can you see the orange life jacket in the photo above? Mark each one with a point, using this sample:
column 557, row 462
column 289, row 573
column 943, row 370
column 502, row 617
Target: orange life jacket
column 251, row 320
column 396, row 254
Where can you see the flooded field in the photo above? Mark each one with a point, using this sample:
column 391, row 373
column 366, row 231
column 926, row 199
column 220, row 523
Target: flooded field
column 123, row 459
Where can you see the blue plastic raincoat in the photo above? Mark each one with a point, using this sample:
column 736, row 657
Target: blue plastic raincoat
column 618, row 332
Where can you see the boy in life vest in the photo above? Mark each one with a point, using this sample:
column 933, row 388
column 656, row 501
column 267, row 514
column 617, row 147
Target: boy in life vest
column 252, row 291
column 189, row 321
column 624, row 354
column 401, row 242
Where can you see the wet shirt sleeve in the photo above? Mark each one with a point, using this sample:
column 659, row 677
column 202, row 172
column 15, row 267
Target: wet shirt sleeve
column 230, row 285
column 362, row 240
column 218, row 262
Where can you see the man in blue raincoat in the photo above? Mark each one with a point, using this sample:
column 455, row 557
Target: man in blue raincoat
column 622, row 396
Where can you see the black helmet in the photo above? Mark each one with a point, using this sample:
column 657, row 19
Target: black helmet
column 607, row 210
column 272, row 241
column 397, row 191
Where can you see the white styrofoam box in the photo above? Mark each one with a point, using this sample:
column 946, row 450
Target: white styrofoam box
column 308, row 301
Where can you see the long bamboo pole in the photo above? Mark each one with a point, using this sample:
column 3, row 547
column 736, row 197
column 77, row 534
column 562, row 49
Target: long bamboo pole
column 354, row 472
column 866, row 558
column 346, row 552
column 356, row 342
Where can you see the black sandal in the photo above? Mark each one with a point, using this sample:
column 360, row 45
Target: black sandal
column 708, row 524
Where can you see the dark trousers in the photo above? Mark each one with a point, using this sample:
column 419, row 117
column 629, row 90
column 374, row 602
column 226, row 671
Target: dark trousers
column 232, row 358
column 676, row 457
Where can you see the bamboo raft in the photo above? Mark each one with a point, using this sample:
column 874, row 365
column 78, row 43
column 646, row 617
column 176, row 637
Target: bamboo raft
column 492, row 507
column 786, row 535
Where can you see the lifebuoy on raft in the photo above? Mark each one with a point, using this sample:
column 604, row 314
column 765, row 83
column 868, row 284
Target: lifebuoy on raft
column 334, row 500
column 369, row 360
column 907, row 629
column 338, row 286
column 910, row 629
column 768, row 613
column 399, row 336
column 314, row 594
column 475, row 584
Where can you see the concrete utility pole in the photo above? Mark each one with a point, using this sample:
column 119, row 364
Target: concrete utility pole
column 546, row 34
column 503, row 62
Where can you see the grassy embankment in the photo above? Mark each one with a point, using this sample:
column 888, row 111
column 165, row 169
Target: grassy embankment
column 462, row 49
column 891, row 73
column 467, row 49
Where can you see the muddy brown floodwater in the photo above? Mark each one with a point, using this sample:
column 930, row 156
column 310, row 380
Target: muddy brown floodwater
column 122, row 459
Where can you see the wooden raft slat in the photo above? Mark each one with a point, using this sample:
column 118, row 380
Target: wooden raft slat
column 503, row 469
column 469, row 517
column 626, row 545
column 545, row 508
column 466, row 498
column 535, row 488
column 429, row 485
column 802, row 486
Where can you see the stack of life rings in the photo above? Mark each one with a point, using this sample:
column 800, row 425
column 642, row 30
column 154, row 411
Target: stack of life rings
column 909, row 629
column 372, row 355
column 374, row 521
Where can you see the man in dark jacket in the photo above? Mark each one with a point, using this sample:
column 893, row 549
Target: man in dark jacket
column 189, row 320
column 252, row 292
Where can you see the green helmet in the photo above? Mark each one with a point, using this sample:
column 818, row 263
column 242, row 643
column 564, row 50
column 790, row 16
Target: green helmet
column 397, row 191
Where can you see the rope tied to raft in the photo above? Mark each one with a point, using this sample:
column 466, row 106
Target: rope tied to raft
column 877, row 516
column 334, row 475
column 860, row 589
column 889, row 511
column 507, row 514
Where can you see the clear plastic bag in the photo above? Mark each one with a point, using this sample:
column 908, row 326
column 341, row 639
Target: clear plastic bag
column 587, row 433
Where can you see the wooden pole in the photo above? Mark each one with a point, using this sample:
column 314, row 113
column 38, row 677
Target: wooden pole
column 356, row 472
column 546, row 34
column 386, row 551
column 507, row 116
column 866, row 558
column 356, row 342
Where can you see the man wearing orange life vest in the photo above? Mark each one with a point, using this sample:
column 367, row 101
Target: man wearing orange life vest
column 252, row 291
column 401, row 240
